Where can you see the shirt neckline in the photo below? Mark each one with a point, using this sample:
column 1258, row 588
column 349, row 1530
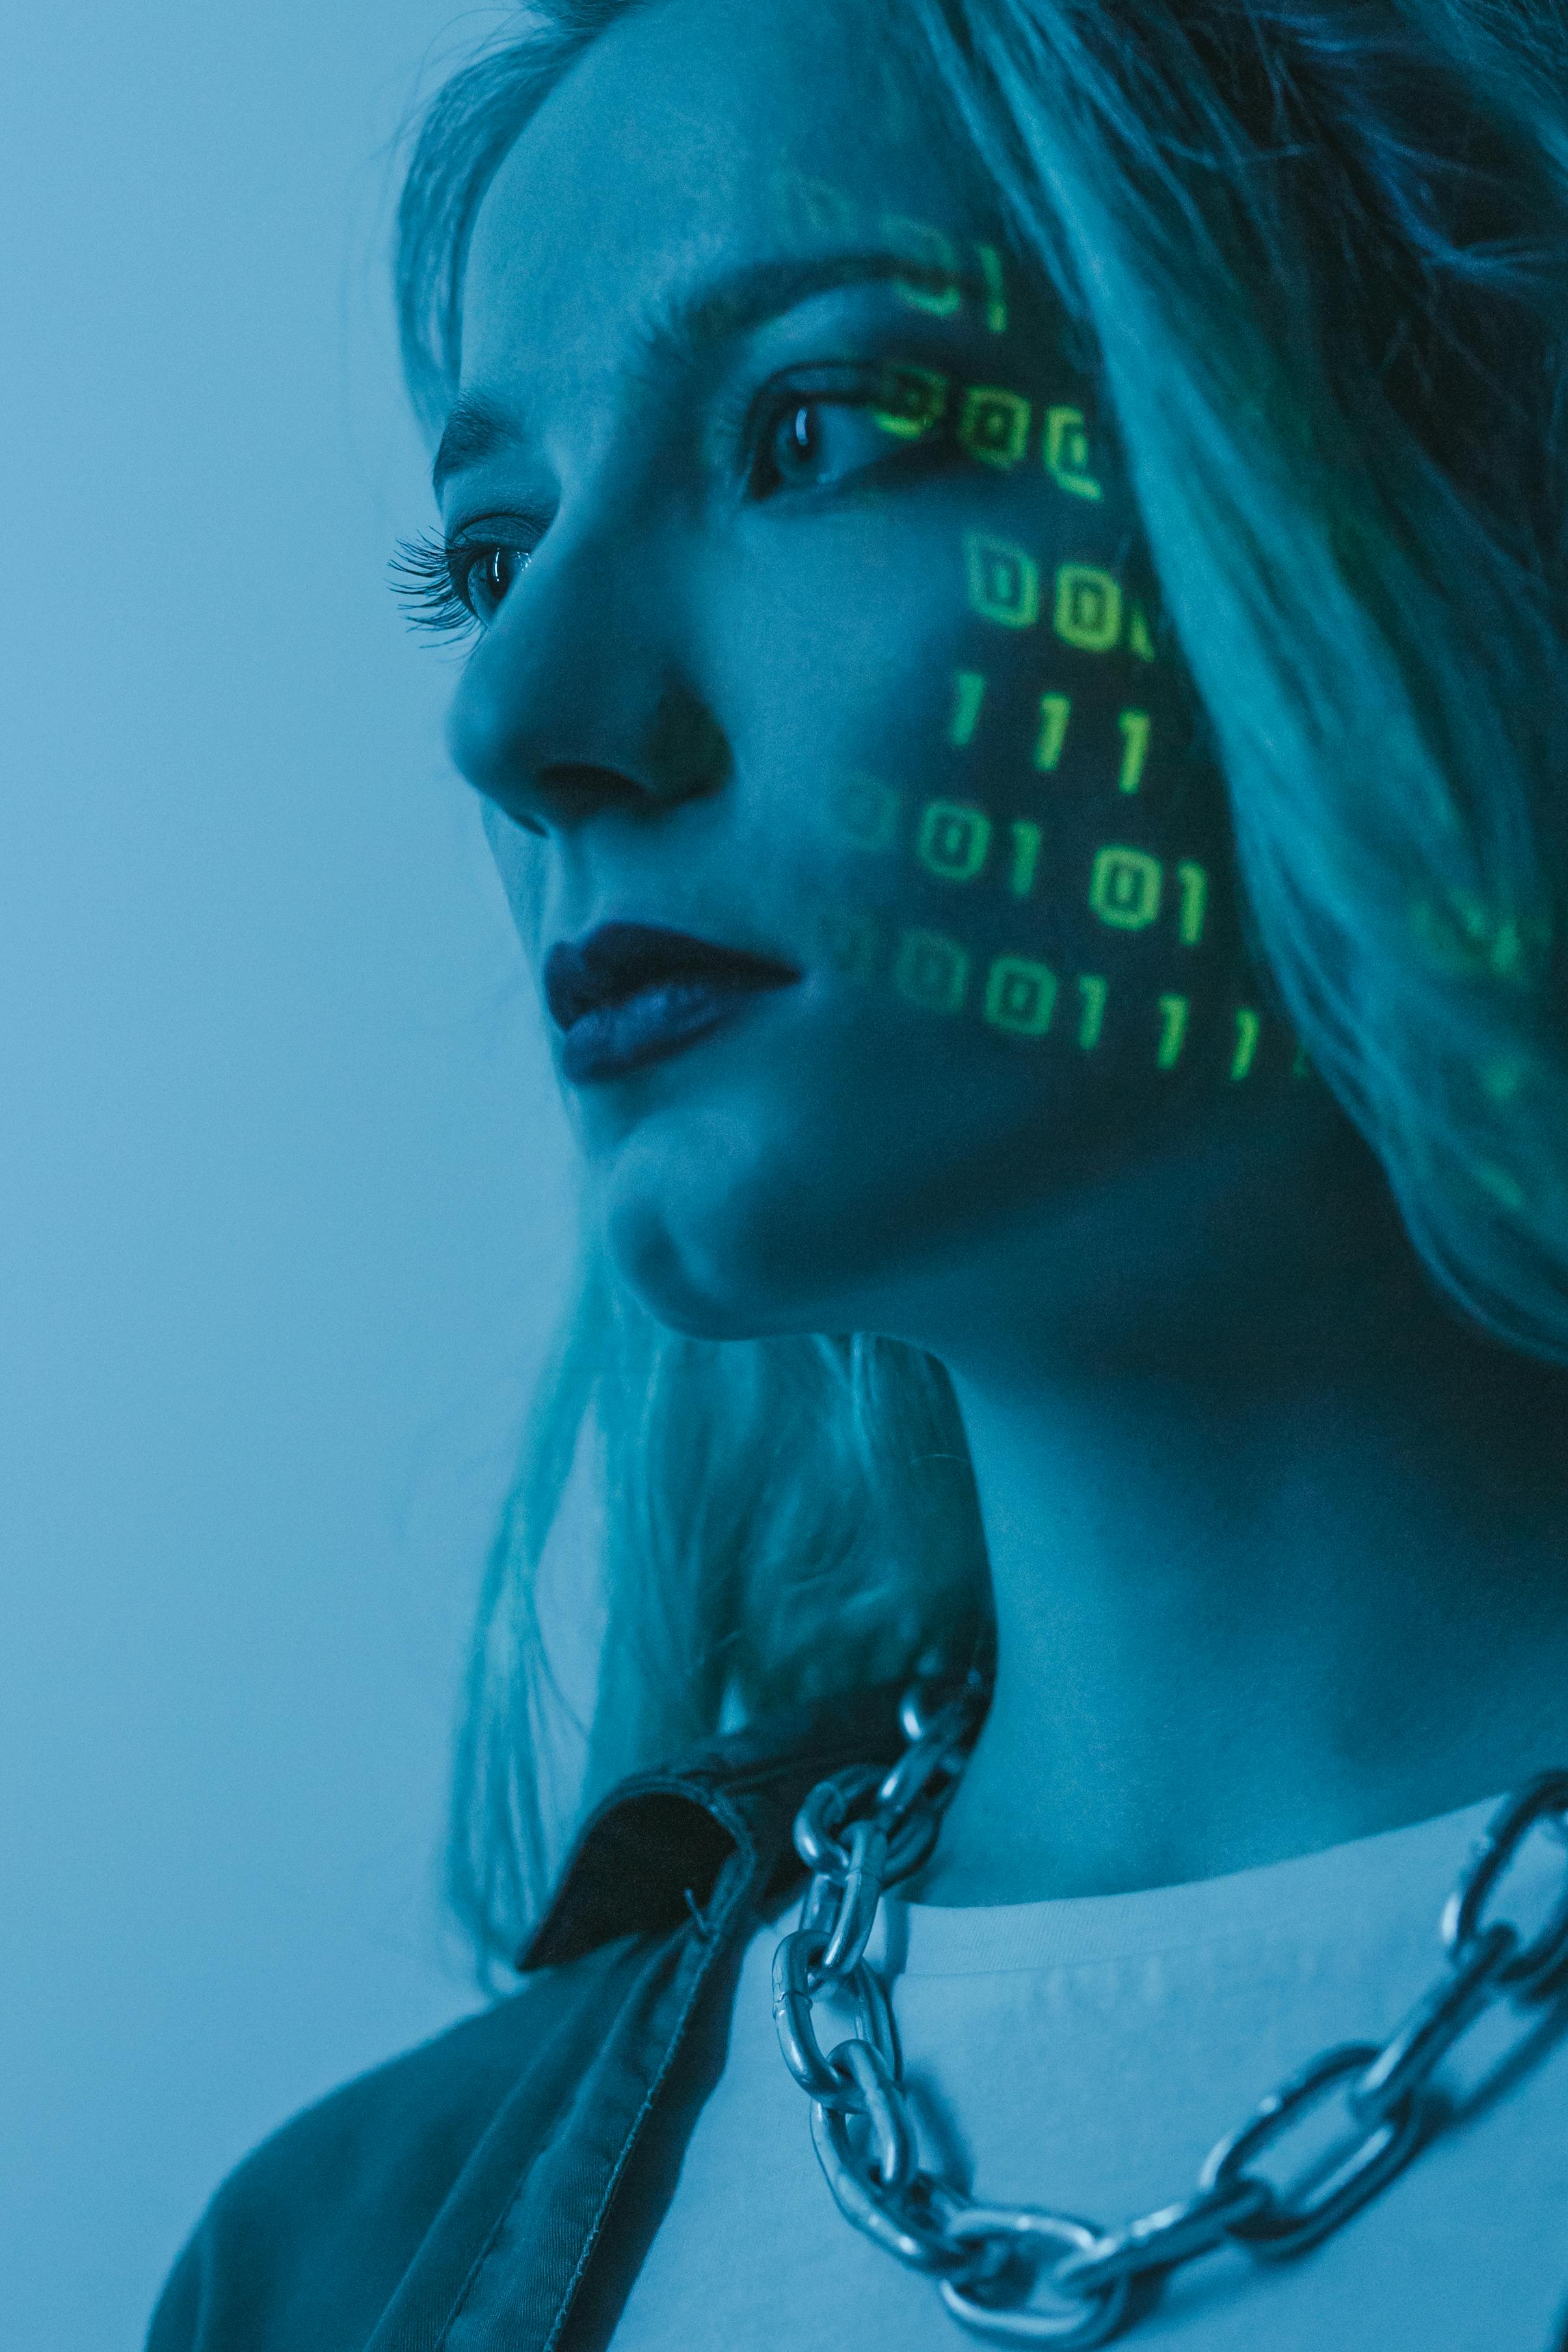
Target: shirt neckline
column 1357, row 1887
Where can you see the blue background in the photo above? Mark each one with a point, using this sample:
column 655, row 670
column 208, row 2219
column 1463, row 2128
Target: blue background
column 283, row 1183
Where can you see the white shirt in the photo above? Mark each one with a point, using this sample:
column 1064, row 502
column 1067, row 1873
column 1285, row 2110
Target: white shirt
column 1084, row 2055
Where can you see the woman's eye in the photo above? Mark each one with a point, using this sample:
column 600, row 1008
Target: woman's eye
column 811, row 441
column 448, row 585
column 481, row 575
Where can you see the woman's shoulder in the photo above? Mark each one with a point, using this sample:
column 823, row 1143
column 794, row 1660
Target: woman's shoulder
column 306, row 2240
column 314, row 2235
column 416, row 2113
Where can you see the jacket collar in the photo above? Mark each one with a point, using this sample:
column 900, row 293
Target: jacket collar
column 649, row 1857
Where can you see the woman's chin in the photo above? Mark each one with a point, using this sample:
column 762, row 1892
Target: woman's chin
column 696, row 1284
column 731, row 1246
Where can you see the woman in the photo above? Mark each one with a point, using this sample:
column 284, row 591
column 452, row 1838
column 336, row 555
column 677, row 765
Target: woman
column 1013, row 552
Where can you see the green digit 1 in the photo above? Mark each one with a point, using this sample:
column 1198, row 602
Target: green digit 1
column 969, row 693
column 1247, row 1028
column 1055, row 710
column 1092, row 991
column 1026, row 852
column 995, row 298
column 1194, row 884
column 1173, row 1029
column 1135, row 727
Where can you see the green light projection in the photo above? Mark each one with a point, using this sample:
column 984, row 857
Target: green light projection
column 1076, row 798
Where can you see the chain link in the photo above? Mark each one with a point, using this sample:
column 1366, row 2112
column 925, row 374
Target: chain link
column 864, row 1830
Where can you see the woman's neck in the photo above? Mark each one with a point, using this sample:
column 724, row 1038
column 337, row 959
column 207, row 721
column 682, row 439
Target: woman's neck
column 1257, row 1597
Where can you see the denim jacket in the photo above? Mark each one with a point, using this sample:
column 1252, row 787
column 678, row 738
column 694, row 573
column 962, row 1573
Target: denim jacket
column 496, row 2189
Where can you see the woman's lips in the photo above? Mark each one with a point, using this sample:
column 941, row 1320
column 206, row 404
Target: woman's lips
column 631, row 992
column 658, row 1020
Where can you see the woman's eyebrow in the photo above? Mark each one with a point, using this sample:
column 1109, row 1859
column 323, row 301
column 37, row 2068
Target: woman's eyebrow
column 474, row 428
column 680, row 326
column 686, row 323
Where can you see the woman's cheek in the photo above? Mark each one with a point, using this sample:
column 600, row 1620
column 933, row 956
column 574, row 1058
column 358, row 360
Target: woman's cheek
column 1023, row 829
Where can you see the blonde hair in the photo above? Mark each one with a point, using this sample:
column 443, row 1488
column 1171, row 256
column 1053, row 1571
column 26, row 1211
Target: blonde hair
column 1319, row 251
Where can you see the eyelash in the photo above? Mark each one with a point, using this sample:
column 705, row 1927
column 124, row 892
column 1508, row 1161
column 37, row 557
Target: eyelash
column 423, row 580
column 424, row 569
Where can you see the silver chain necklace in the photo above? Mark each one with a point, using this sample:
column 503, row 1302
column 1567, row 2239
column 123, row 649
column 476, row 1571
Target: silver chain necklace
column 865, row 1829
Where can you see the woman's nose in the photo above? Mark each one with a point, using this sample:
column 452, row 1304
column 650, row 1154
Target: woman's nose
column 576, row 701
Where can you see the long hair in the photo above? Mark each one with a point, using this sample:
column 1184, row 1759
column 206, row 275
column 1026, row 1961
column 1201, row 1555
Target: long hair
column 1319, row 252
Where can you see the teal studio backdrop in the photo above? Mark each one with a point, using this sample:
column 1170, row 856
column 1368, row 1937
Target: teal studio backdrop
column 283, row 1184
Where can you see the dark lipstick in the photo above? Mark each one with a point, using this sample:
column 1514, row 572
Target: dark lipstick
column 632, row 992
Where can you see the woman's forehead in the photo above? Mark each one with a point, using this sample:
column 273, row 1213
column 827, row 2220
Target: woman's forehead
column 697, row 134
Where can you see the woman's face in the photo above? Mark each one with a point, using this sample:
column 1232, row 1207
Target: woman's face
column 814, row 623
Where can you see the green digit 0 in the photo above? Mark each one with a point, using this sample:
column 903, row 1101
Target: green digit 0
column 1066, row 451
column 937, row 288
column 1124, row 888
column 915, row 401
column 993, row 425
column 931, row 970
column 1003, row 582
column 953, row 840
column 1020, row 996
column 1088, row 607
